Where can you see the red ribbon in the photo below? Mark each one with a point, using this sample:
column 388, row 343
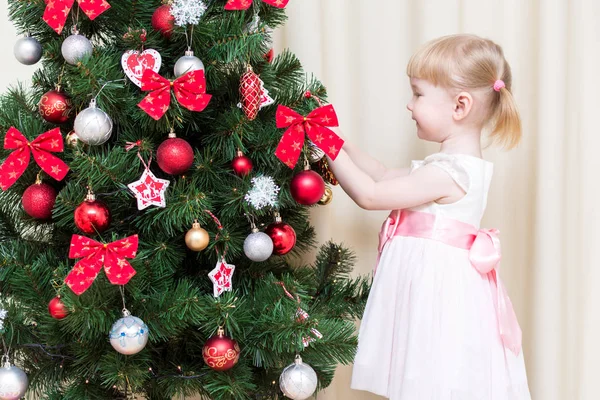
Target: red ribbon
column 315, row 125
column 57, row 11
column 42, row 147
column 97, row 255
column 190, row 91
column 245, row 4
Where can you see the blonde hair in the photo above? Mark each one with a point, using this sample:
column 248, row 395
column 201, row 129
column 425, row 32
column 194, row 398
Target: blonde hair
column 470, row 62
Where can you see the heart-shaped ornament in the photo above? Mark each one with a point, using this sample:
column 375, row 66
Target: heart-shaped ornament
column 135, row 63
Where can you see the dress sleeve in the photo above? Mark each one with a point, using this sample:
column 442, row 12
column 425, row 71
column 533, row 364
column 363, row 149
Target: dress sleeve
column 452, row 165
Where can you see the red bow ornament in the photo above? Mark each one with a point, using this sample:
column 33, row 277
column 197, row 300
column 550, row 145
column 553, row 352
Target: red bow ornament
column 190, row 91
column 57, row 11
column 42, row 147
column 315, row 125
column 245, row 4
column 96, row 255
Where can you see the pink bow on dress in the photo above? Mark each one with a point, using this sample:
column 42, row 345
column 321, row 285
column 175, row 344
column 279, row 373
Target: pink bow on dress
column 484, row 255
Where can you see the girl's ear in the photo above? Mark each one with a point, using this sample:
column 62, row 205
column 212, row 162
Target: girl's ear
column 463, row 103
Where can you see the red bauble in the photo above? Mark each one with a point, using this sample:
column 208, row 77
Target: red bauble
column 163, row 21
column 92, row 216
column 220, row 352
column 175, row 156
column 57, row 308
column 250, row 93
column 38, row 200
column 241, row 164
column 282, row 235
column 269, row 56
column 307, row 187
column 55, row 107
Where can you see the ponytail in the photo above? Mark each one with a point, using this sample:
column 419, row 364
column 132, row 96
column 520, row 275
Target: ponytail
column 506, row 128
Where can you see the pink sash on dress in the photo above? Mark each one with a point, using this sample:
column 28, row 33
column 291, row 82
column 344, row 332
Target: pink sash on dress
column 484, row 255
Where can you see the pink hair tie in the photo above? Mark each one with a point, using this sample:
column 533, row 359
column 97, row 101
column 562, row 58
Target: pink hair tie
column 499, row 84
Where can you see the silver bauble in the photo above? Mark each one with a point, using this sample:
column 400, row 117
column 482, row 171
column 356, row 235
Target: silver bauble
column 316, row 153
column 28, row 50
column 298, row 381
column 129, row 334
column 76, row 47
column 13, row 382
column 93, row 126
column 258, row 246
column 187, row 63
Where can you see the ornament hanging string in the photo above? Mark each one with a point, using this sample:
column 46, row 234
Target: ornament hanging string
column 75, row 18
column 103, row 86
column 251, row 219
column 220, row 228
column 125, row 311
column 188, row 39
column 138, row 143
column 309, row 95
column 301, row 315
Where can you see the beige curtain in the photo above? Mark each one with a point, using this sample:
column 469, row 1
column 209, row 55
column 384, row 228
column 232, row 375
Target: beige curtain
column 543, row 194
column 543, row 197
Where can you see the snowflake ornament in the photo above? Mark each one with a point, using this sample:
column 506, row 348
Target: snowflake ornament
column 263, row 193
column 187, row 12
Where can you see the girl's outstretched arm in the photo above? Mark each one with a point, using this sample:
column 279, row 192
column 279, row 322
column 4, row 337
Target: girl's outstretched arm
column 372, row 167
column 426, row 184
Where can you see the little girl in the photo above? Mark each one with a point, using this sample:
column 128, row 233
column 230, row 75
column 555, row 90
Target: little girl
column 438, row 324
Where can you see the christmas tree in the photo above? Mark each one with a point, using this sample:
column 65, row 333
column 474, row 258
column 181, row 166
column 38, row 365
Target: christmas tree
column 157, row 178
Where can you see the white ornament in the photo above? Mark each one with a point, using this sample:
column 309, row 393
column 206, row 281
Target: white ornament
column 135, row 63
column 76, row 47
column 93, row 126
column 149, row 190
column 13, row 381
column 263, row 193
column 188, row 63
column 129, row 334
column 298, row 381
column 187, row 12
column 221, row 277
column 28, row 50
column 258, row 246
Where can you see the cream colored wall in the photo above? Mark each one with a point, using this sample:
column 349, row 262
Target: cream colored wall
column 10, row 69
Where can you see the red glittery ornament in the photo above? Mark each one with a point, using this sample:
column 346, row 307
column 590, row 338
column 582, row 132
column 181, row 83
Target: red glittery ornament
column 220, row 352
column 163, row 21
column 241, row 164
column 92, row 216
column 38, row 200
column 175, row 156
column 55, row 107
column 282, row 235
column 57, row 308
column 307, row 187
column 250, row 92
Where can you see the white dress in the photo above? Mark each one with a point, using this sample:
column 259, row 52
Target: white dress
column 429, row 330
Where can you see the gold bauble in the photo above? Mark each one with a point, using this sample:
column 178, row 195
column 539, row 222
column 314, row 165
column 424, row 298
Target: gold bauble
column 72, row 140
column 197, row 238
column 327, row 197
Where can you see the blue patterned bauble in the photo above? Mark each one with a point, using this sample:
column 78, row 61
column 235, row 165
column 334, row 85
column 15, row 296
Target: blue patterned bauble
column 129, row 334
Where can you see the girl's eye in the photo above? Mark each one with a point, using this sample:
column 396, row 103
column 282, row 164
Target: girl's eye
column 417, row 94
